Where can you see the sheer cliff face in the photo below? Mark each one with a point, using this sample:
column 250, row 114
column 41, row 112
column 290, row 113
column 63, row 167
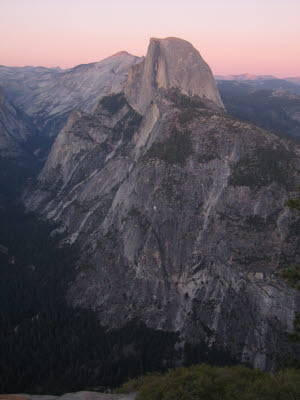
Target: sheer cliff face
column 170, row 63
column 179, row 212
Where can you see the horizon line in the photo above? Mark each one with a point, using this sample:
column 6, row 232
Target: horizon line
column 124, row 51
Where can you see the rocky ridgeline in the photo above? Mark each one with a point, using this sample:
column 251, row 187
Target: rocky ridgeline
column 48, row 95
column 179, row 210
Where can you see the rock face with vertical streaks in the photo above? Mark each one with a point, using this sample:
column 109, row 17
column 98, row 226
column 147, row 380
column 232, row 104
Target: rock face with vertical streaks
column 171, row 63
column 179, row 210
column 15, row 128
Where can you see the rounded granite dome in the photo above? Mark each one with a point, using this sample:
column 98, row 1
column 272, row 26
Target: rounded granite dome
column 171, row 63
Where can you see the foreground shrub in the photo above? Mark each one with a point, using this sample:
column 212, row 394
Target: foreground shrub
column 204, row 382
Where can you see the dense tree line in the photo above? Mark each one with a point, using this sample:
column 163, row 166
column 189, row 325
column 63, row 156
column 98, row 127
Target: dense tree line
column 48, row 346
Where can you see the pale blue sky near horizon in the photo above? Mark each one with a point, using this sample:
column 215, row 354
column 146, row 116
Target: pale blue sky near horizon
column 258, row 37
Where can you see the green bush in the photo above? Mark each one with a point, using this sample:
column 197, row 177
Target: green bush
column 294, row 203
column 292, row 276
column 213, row 383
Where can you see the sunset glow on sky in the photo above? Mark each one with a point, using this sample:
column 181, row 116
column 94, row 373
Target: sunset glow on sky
column 233, row 36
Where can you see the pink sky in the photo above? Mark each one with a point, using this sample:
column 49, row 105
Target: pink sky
column 233, row 36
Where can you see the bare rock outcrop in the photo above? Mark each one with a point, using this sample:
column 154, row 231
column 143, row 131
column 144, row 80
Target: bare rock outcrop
column 180, row 213
column 84, row 395
column 49, row 95
column 170, row 63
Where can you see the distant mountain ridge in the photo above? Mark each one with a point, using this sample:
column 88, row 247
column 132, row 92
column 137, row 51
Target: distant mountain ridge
column 244, row 77
column 253, row 77
column 295, row 80
column 48, row 95
column 273, row 107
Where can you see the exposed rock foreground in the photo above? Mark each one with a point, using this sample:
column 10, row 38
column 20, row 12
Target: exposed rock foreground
column 70, row 396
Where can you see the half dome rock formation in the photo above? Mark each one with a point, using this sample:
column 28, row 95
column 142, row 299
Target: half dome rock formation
column 170, row 63
column 178, row 210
